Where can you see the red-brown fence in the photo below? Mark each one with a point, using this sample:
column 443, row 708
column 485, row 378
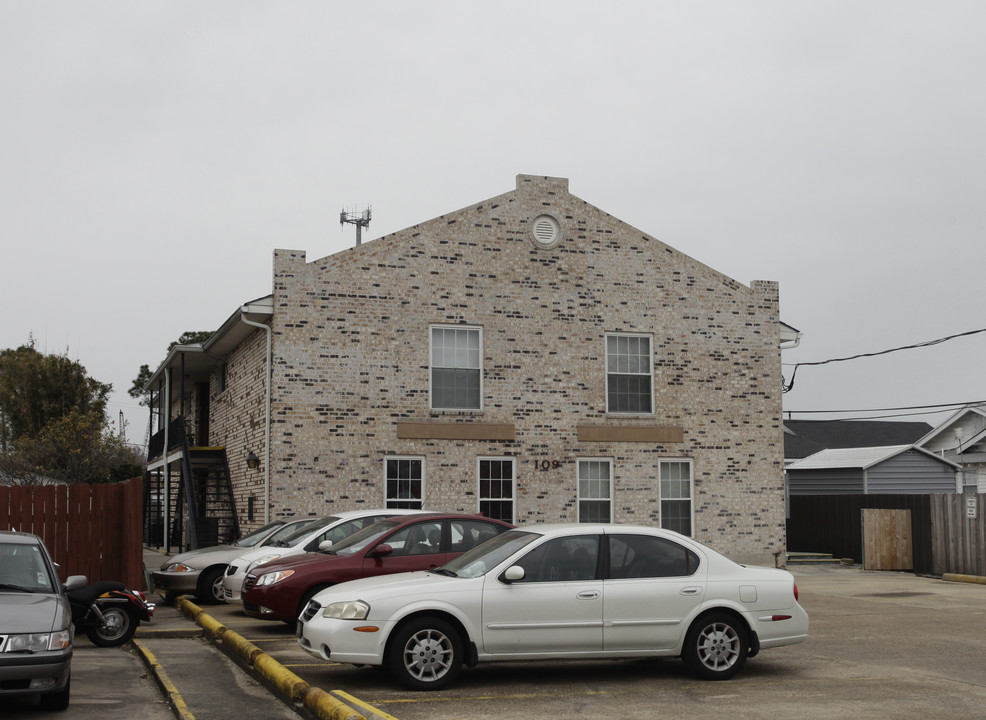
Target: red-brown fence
column 91, row 530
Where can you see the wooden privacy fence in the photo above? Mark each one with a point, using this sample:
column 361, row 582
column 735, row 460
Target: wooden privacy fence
column 91, row 530
column 945, row 536
column 887, row 540
column 959, row 534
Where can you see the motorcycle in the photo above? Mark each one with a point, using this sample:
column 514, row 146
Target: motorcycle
column 108, row 612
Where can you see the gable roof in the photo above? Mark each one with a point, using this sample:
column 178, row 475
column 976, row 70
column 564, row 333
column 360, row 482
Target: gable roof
column 961, row 432
column 861, row 458
column 807, row 437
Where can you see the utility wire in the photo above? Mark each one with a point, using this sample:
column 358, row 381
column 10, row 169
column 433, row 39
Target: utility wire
column 790, row 386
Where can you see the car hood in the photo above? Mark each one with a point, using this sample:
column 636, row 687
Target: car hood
column 399, row 584
column 192, row 554
column 295, row 561
column 32, row 612
column 256, row 553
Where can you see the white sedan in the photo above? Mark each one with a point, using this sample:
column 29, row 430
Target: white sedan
column 556, row 592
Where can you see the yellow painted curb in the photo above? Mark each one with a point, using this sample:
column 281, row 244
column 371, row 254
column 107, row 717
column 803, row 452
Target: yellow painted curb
column 369, row 709
column 283, row 679
column 956, row 577
column 241, row 646
column 175, row 699
column 325, row 707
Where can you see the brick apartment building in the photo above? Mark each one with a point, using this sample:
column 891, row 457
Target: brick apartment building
column 530, row 357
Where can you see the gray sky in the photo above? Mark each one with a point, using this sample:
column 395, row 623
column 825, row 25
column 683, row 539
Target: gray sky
column 153, row 154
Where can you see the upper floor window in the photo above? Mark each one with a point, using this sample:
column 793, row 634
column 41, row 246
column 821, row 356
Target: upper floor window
column 456, row 369
column 629, row 375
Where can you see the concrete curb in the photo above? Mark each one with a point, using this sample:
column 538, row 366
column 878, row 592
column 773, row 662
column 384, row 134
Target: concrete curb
column 956, row 577
column 292, row 688
column 174, row 697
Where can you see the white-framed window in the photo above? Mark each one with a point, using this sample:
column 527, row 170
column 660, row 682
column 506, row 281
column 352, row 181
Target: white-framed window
column 595, row 490
column 676, row 495
column 456, row 367
column 405, row 482
column 496, row 487
column 629, row 374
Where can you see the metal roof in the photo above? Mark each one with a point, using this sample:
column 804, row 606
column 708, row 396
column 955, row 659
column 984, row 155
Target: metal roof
column 857, row 458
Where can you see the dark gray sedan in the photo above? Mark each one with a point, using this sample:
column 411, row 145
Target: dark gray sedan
column 35, row 622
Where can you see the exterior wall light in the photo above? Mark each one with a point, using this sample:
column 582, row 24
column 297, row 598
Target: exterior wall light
column 253, row 462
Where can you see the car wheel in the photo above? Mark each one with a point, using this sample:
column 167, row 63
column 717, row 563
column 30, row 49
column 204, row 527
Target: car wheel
column 209, row 589
column 58, row 700
column 425, row 654
column 715, row 646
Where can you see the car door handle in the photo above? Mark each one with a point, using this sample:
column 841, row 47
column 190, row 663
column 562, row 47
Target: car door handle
column 691, row 590
column 588, row 595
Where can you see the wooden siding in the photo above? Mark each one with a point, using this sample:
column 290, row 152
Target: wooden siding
column 910, row 472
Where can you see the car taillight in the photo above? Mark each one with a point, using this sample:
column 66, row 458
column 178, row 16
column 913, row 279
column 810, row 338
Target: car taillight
column 795, row 592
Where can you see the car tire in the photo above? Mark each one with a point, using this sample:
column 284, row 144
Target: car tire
column 425, row 654
column 209, row 589
column 716, row 646
column 57, row 700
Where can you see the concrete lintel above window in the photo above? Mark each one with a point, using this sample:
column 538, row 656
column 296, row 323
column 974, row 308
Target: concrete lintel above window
column 631, row 433
column 454, row 431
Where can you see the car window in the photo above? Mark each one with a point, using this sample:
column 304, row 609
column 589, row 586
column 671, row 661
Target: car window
column 483, row 558
column 24, row 567
column 362, row 538
column 424, row 538
column 467, row 534
column 344, row 530
column 646, row 556
column 562, row 559
column 303, row 531
column 251, row 539
column 280, row 537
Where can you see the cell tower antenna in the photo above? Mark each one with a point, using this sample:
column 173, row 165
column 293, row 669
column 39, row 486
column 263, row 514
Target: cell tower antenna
column 359, row 219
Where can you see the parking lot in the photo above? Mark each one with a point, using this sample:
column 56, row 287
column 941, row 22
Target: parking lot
column 880, row 645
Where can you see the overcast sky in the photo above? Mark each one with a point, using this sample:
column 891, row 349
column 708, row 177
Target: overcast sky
column 153, row 154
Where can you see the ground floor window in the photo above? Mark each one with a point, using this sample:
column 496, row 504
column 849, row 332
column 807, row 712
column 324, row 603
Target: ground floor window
column 496, row 488
column 676, row 495
column 405, row 482
column 595, row 490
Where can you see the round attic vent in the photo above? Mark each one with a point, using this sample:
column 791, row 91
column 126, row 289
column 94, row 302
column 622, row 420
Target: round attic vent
column 545, row 230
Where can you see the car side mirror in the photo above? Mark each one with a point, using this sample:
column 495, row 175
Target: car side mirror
column 325, row 545
column 513, row 573
column 383, row 550
column 75, row 582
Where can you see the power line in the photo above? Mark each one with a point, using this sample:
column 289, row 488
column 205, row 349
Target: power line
column 790, row 386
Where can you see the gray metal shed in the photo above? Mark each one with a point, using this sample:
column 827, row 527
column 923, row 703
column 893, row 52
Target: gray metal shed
column 887, row 470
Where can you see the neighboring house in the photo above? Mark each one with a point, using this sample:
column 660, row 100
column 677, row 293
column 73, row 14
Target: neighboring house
column 962, row 439
column 529, row 357
column 889, row 470
column 807, row 437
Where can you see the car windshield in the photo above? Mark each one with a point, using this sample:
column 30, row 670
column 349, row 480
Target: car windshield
column 251, row 539
column 23, row 568
column 486, row 556
column 287, row 531
column 361, row 538
column 305, row 530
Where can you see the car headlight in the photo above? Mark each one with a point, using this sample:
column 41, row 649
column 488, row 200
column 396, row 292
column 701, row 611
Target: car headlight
column 37, row 642
column 262, row 560
column 274, row 577
column 349, row 610
column 179, row 567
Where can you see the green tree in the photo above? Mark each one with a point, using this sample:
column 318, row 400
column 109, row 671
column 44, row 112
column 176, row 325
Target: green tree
column 78, row 447
column 188, row 337
column 36, row 389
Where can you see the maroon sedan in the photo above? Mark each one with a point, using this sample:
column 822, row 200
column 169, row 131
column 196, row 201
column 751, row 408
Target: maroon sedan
column 279, row 590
